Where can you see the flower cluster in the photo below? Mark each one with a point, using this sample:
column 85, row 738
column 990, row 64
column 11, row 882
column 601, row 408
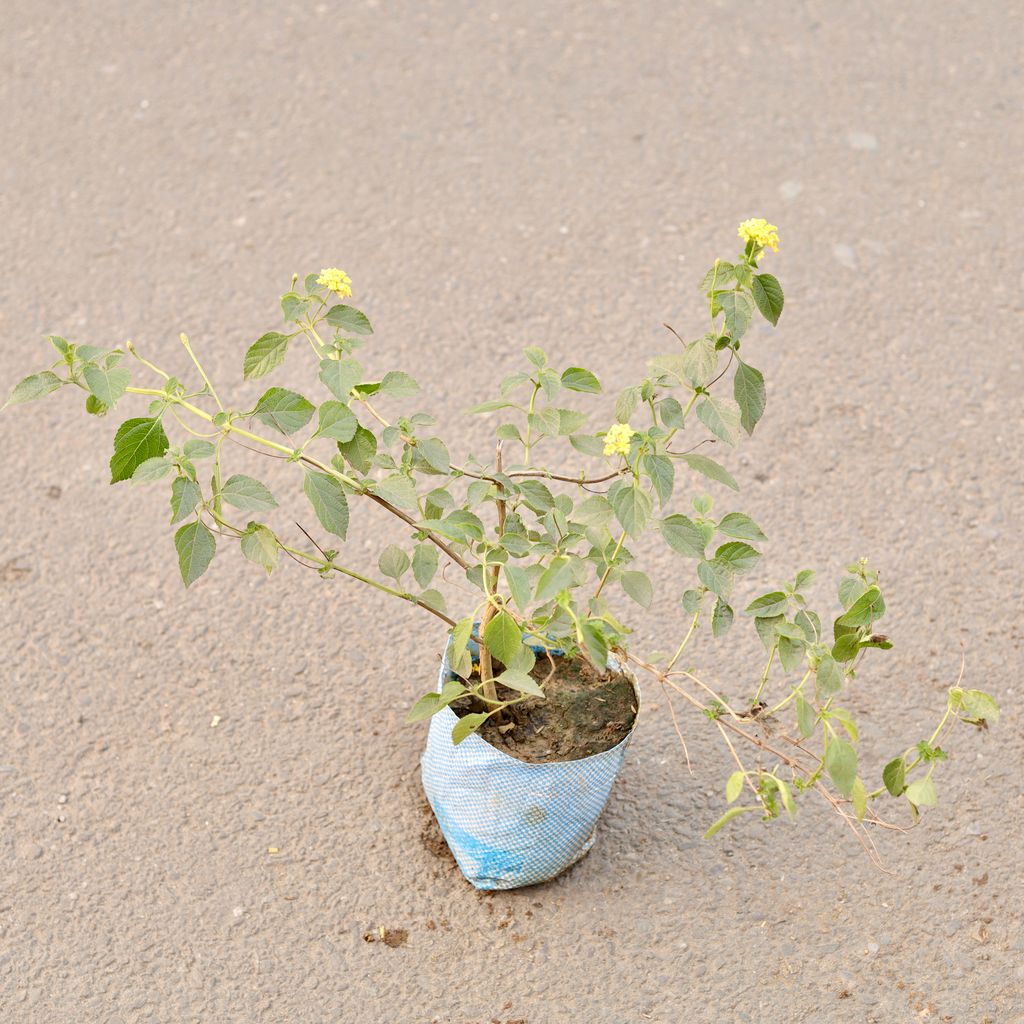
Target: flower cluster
column 760, row 232
column 336, row 280
column 618, row 438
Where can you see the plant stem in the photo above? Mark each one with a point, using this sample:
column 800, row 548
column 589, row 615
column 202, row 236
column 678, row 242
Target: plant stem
column 796, row 690
column 351, row 573
column 294, row 453
column 686, row 640
column 199, row 367
column 764, row 676
column 490, row 576
column 610, row 566
column 529, row 425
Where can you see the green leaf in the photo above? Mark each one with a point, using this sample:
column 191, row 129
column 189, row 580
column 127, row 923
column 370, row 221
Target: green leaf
column 977, row 705
column 393, row 562
column 894, row 775
column 467, row 724
column 399, row 490
column 868, row 608
column 638, row 586
column 626, row 403
column 536, row 355
column 767, row 293
column 791, row 653
column 787, row 798
column 435, row 453
column 846, row 647
column 490, row 406
column 247, row 494
column 336, row 421
column 398, row 385
column 431, row 703
column 196, row 547
column 94, row 407
column 721, row 618
column 327, row 497
column 734, row 787
column 264, row 354
column 829, row 678
column 671, row 413
column 806, row 716
column 595, row 643
column 860, row 799
column 348, row 319
column 738, row 308
column 518, row 584
column 850, row 589
column 739, row 556
column 722, row 417
column 427, row 706
column 586, row 444
column 259, row 545
column 556, row 578
column 458, row 652
column 424, row 563
column 151, row 470
column 719, row 276
column 711, row 469
column 196, row 449
column 699, row 362
column 717, row 576
column 520, row 681
column 502, row 637
column 733, row 812
column 359, row 452
column 662, row 473
column 340, row 376
column 106, row 383
column 767, row 605
column 593, row 511
column 33, row 387
column 748, row 389
column 185, row 495
column 683, row 535
column 536, row 495
column 460, row 525
column 283, row 410
column 736, row 524
column 136, row 441
column 841, row 765
column 293, row 306
column 632, row 507
column 922, row 793
column 578, row 379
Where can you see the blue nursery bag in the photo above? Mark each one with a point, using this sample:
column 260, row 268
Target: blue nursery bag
column 511, row 823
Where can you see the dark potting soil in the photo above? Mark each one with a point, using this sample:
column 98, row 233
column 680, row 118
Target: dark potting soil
column 583, row 712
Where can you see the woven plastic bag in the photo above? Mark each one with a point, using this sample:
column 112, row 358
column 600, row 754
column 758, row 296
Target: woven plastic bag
column 510, row 823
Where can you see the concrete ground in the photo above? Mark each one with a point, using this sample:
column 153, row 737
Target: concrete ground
column 493, row 175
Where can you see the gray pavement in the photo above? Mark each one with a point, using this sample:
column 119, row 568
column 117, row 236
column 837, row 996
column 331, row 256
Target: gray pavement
column 493, row 175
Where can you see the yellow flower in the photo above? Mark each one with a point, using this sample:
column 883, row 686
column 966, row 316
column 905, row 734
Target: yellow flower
column 760, row 232
column 336, row 280
column 617, row 439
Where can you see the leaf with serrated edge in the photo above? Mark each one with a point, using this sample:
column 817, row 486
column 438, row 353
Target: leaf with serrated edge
column 264, row 354
column 327, row 497
column 247, row 494
column 196, row 547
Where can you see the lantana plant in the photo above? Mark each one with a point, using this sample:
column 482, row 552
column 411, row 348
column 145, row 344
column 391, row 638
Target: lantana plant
column 537, row 540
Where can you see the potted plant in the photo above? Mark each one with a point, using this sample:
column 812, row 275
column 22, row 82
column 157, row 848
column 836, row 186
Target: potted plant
column 537, row 698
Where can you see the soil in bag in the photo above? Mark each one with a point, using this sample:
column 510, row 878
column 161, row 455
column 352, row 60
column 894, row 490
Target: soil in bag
column 584, row 712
